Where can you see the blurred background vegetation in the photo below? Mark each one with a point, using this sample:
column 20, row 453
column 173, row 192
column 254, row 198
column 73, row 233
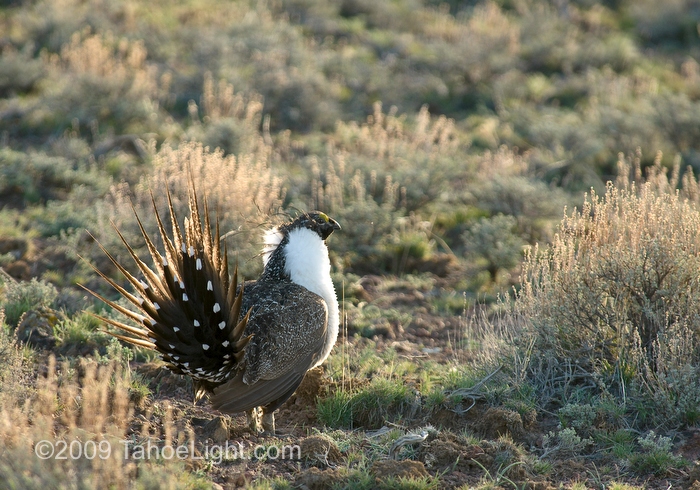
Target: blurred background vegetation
column 465, row 122
column 449, row 138
column 442, row 135
column 428, row 128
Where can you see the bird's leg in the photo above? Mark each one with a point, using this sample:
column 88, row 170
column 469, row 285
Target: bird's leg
column 268, row 421
column 253, row 419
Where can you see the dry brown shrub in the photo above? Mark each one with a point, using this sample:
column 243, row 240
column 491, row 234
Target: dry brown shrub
column 381, row 170
column 241, row 191
column 389, row 139
column 613, row 300
column 117, row 62
column 230, row 121
column 104, row 83
column 241, row 187
column 334, row 188
column 385, row 159
column 220, row 101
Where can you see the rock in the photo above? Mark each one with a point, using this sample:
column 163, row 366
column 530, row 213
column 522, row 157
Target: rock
column 217, row 429
column 499, row 422
column 238, row 480
column 447, row 453
column 310, row 387
column 690, row 448
column 316, row 479
column 320, row 449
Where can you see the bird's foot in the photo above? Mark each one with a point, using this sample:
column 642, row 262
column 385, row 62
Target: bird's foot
column 260, row 422
column 269, row 430
column 253, row 419
column 268, row 422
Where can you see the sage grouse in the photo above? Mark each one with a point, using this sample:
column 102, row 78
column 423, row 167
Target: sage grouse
column 248, row 346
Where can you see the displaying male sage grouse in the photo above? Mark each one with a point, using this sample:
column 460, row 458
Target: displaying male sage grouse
column 248, row 346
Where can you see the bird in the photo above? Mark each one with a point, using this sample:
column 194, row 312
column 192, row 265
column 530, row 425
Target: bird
column 247, row 346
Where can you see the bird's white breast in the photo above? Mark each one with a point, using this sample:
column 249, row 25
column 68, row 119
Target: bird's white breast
column 307, row 263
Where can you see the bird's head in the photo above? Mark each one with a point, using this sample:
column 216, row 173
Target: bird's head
column 315, row 221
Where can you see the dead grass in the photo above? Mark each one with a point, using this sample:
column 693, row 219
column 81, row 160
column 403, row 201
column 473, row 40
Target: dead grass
column 71, row 427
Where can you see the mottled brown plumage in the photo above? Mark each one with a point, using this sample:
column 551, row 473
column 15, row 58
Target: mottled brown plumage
column 247, row 345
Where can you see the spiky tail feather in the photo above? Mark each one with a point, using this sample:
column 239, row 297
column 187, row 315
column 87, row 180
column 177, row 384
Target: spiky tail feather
column 187, row 307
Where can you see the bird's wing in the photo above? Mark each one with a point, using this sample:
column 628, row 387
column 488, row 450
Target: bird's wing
column 288, row 325
column 236, row 396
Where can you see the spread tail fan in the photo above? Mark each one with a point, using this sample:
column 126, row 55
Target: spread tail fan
column 186, row 305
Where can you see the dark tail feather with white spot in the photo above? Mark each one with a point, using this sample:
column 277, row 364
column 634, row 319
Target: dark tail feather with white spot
column 186, row 307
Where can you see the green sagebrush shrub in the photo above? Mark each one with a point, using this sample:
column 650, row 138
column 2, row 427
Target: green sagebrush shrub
column 493, row 240
column 18, row 297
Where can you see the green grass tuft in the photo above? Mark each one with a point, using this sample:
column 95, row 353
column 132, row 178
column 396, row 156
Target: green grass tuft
column 370, row 407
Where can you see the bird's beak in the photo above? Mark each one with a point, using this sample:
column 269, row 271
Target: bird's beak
column 329, row 228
